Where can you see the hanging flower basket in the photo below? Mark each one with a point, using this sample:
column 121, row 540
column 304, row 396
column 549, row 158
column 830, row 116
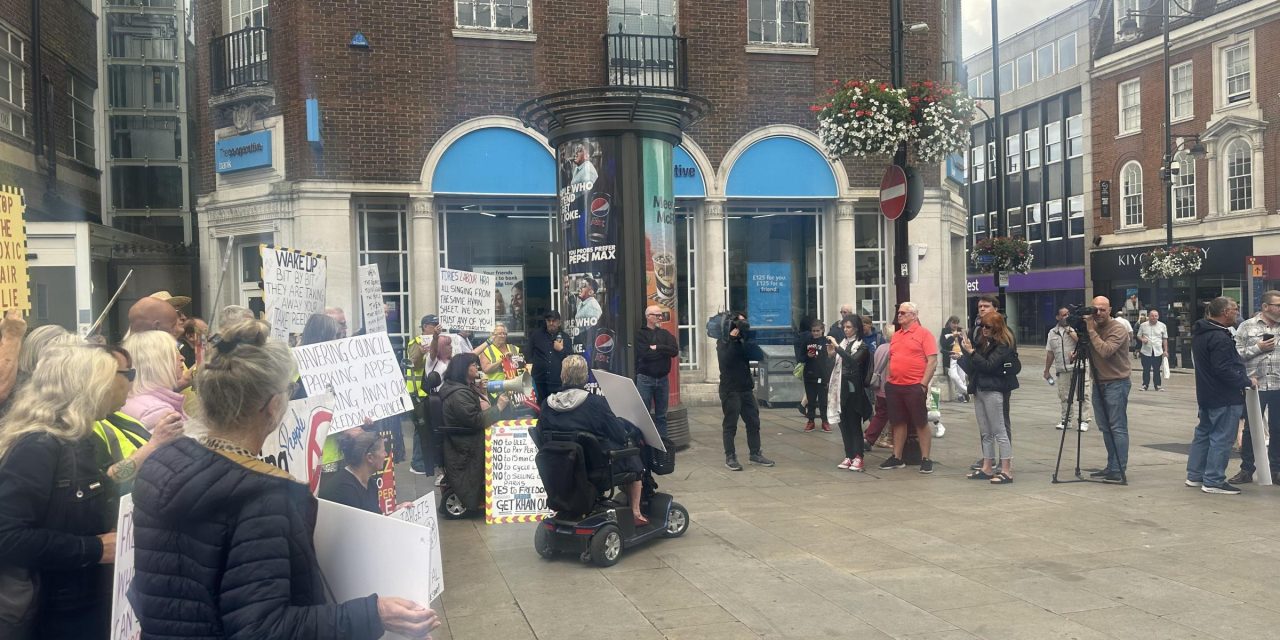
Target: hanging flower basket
column 1174, row 262
column 1006, row 255
column 940, row 117
column 857, row 118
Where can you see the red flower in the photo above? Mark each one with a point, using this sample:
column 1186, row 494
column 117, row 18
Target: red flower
column 815, row 108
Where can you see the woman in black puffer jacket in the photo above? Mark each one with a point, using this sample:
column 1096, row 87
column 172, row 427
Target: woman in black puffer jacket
column 993, row 368
column 224, row 540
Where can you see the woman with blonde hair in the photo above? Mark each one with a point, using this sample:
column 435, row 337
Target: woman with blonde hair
column 993, row 368
column 161, row 373
column 224, row 540
column 55, row 505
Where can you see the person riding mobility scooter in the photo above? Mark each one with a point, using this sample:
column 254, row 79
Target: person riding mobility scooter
column 585, row 454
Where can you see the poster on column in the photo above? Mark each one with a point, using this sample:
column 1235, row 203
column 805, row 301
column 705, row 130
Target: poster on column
column 293, row 288
column 361, row 372
column 465, row 301
column 508, row 296
column 423, row 513
column 297, row 445
column 15, row 283
column 375, row 313
column 659, row 230
column 769, row 294
column 591, row 250
column 124, row 623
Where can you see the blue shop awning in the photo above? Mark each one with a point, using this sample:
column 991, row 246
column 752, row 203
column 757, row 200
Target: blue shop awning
column 496, row 161
column 781, row 167
column 688, row 181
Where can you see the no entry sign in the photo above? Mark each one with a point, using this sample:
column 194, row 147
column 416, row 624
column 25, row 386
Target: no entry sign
column 893, row 192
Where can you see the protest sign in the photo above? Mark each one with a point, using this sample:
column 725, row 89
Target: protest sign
column 15, row 285
column 362, row 553
column 625, row 402
column 375, row 318
column 466, row 301
column 508, row 295
column 386, row 479
column 124, row 623
column 513, row 489
column 361, row 372
column 293, row 288
column 297, row 445
column 423, row 513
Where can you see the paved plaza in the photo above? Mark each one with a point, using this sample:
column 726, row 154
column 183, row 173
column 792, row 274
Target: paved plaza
column 805, row 550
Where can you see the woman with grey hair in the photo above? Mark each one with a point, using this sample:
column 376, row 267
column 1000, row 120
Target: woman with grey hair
column 575, row 409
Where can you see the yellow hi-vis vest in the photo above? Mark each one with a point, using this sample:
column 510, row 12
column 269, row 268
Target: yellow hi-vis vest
column 413, row 377
column 122, row 434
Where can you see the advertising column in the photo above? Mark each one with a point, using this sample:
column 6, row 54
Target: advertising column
column 660, row 240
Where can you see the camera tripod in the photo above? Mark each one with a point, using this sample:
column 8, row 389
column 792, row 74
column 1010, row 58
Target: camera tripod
column 1076, row 400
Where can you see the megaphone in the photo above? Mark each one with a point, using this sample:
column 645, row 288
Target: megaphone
column 522, row 385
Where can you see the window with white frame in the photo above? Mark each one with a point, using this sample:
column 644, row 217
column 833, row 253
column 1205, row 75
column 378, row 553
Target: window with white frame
column 992, row 222
column 1184, row 188
column 247, row 13
column 1130, row 96
column 1032, row 147
column 1053, row 142
column 979, row 163
column 13, row 74
column 1013, row 153
column 1179, row 8
column 1237, row 72
column 974, row 87
column 1015, row 219
column 1006, row 78
column 643, row 17
column 382, row 232
column 1075, row 216
column 1054, row 219
column 1131, row 194
column 1035, row 224
column 1075, row 136
column 979, row 226
column 779, row 22
column 493, row 14
column 991, row 160
column 1026, row 70
column 1239, row 157
column 1181, row 103
column 82, row 139
column 1044, row 61
column 1122, row 10
column 988, row 87
column 1066, row 52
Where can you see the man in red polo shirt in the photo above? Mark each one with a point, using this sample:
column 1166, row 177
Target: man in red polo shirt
column 913, row 356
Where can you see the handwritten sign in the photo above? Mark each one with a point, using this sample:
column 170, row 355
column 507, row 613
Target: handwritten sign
column 466, row 301
column 375, row 318
column 513, row 489
column 363, row 373
column 386, row 480
column 293, row 288
column 423, row 513
column 298, row 443
column 124, row 623
column 353, row 569
column 15, row 284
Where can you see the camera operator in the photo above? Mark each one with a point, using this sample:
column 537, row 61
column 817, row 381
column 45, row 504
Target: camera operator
column 737, row 395
column 1109, row 341
column 1060, row 357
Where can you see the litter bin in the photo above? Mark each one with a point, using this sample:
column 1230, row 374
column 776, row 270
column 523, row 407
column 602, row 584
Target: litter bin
column 776, row 383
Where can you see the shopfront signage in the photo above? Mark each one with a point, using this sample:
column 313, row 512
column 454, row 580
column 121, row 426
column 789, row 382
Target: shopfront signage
column 1226, row 257
column 249, row 151
column 1104, row 197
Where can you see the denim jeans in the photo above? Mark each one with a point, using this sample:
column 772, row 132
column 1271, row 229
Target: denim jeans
column 1270, row 401
column 1211, row 445
column 1110, row 410
column 655, row 392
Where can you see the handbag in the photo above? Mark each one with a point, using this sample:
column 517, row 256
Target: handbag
column 1164, row 367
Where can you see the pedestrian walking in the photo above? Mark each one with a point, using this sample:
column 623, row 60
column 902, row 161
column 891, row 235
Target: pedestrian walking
column 1220, row 385
column 811, row 350
column 1059, row 360
column 1256, row 343
column 737, row 394
column 656, row 349
column 993, row 369
column 913, row 358
column 852, row 359
column 1153, row 344
column 880, row 368
column 1109, row 340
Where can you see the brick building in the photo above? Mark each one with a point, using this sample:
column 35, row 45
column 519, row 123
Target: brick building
column 384, row 132
column 1224, row 93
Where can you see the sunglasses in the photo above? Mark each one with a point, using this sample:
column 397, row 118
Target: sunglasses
column 129, row 374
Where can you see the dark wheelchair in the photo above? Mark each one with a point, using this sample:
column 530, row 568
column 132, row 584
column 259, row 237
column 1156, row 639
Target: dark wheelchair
column 592, row 517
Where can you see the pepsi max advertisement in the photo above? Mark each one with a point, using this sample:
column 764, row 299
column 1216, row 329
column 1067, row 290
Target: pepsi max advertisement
column 589, row 226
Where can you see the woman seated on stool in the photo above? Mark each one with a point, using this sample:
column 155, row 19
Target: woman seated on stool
column 574, row 409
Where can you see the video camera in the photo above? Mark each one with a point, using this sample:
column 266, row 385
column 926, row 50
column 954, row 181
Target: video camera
column 1076, row 313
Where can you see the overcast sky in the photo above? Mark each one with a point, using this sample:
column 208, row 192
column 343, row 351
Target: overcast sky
column 1015, row 15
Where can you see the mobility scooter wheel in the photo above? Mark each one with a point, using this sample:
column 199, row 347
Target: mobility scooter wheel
column 451, row 506
column 677, row 521
column 542, row 542
column 606, row 546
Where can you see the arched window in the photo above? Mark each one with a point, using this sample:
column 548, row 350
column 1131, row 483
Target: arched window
column 1131, row 194
column 1239, row 159
column 1184, row 188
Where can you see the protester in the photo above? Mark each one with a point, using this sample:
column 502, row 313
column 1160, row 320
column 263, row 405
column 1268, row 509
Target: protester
column 431, row 453
column 912, row 361
column 1153, row 338
column 499, row 359
column 339, row 316
column 837, row 328
column 655, row 350
column 1256, row 343
column 880, row 368
column 160, row 376
column 126, row 441
column 319, row 328
column 549, row 346
column 192, row 343
column 364, row 455
column 949, row 344
column 12, row 329
column 232, row 314
column 1109, row 341
column 852, row 359
column 811, row 350
column 1220, row 384
column 55, row 519
column 1059, row 361
column 467, row 413
column 574, row 409
column 34, row 346
column 154, row 314
column 993, row 369
column 224, row 541
column 737, row 395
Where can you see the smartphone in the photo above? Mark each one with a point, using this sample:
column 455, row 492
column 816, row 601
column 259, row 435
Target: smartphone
column 1267, row 336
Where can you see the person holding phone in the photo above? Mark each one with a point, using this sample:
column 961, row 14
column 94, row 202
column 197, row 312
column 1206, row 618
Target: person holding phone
column 1153, row 344
column 1256, row 343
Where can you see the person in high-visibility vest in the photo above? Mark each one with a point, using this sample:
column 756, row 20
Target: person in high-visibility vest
column 415, row 352
column 498, row 359
column 125, row 441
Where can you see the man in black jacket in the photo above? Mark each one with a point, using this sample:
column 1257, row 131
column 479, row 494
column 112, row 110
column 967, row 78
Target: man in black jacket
column 549, row 347
column 655, row 347
column 736, row 394
column 1220, row 385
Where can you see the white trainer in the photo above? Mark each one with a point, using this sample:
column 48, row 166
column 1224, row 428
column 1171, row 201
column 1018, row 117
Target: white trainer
column 1059, row 426
column 1084, row 426
column 845, row 464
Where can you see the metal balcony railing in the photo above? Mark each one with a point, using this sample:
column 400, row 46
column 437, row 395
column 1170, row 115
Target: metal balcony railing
column 646, row 61
column 239, row 59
